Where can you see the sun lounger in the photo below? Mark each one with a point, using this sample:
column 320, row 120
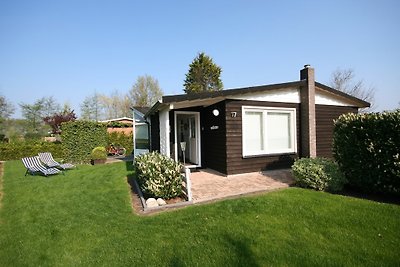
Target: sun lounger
column 49, row 161
column 34, row 166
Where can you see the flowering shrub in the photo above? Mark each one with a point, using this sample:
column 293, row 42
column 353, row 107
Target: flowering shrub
column 367, row 149
column 158, row 175
column 318, row 173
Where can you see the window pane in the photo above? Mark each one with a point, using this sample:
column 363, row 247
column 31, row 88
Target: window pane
column 253, row 128
column 278, row 131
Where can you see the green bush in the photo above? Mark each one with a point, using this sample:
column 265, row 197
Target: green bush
column 158, row 175
column 121, row 139
column 99, row 153
column 29, row 148
column 79, row 138
column 318, row 173
column 367, row 148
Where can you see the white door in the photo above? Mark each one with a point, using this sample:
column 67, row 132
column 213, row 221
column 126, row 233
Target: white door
column 193, row 141
column 187, row 129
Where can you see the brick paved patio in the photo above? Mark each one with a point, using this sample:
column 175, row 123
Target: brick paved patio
column 210, row 185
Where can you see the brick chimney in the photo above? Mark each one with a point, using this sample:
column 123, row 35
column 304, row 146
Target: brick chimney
column 307, row 113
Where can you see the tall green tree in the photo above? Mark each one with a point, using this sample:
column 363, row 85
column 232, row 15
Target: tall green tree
column 203, row 75
column 145, row 92
column 34, row 114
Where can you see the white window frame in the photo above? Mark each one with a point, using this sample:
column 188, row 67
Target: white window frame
column 266, row 151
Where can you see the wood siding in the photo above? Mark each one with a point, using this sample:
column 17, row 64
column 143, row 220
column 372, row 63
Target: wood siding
column 213, row 138
column 155, row 132
column 324, row 126
column 236, row 163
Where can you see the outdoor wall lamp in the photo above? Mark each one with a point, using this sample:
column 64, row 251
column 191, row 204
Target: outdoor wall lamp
column 215, row 112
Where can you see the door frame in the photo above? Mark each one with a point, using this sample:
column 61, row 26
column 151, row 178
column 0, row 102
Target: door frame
column 198, row 135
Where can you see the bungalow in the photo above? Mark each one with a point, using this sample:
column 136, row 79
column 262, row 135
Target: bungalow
column 119, row 125
column 249, row 129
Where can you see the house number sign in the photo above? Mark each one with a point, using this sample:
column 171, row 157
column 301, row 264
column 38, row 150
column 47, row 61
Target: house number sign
column 214, row 127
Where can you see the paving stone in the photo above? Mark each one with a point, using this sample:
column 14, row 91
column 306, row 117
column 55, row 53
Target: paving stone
column 208, row 184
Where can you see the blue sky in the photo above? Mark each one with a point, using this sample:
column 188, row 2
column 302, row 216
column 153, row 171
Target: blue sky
column 70, row 49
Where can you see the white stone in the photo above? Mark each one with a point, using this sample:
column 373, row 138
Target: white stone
column 161, row 202
column 151, row 202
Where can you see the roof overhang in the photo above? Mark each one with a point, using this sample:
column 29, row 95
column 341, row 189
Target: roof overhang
column 351, row 100
column 205, row 99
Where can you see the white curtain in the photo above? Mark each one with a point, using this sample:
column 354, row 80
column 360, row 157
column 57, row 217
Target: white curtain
column 253, row 130
column 278, row 131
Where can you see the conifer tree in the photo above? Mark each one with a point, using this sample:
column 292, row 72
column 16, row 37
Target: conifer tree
column 203, row 75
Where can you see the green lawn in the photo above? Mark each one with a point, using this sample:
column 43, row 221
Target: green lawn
column 85, row 219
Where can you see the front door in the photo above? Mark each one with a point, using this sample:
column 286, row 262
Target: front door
column 187, row 138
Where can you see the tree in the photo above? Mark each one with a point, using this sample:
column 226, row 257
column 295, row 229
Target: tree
column 91, row 108
column 56, row 119
column 116, row 105
column 344, row 80
column 6, row 109
column 203, row 75
column 34, row 114
column 145, row 92
column 50, row 106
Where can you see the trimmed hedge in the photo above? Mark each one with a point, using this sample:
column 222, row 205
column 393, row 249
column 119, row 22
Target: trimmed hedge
column 158, row 175
column 99, row 153
column 18, row 150
column 121, row 139
column 367, row 148
column 79, row 138
column 319, row 174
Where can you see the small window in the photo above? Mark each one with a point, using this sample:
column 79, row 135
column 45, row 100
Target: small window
column 268, row 130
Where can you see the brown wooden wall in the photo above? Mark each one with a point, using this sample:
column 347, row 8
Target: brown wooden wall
column 213, row 141
column 235, row 161
column 155, row 132
column 324, row 116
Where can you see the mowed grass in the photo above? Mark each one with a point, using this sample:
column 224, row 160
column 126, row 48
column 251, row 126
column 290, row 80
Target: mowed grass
column 85, row 219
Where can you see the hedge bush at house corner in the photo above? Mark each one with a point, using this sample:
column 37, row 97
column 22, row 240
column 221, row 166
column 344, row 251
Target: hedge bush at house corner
column 367, row 148
column 158, row 175
column 319, row 174
column 79, row 138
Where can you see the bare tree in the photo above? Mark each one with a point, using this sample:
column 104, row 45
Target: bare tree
column 125, row 106
column 344, row 80
column 6, row 108
column 91, row 108
column 145, row 92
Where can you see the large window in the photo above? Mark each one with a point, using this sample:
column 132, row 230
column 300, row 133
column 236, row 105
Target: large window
column 268, row 130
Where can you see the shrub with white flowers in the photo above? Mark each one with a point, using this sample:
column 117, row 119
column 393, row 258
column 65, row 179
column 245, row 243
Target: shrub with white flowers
column 158, row 175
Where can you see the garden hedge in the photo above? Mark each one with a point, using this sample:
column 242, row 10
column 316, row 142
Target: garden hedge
column 18, row 150
column 79, row 138
column 367, row 148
